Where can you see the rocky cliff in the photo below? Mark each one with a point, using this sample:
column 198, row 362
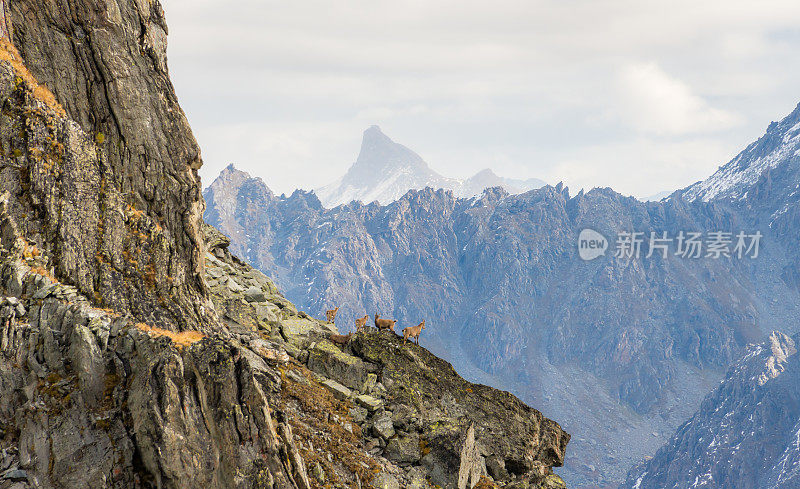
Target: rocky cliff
column 105, row 179
column 136, row 351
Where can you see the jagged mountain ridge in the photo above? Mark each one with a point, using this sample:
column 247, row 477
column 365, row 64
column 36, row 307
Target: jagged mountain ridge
column 137, row 352
column 745, row 433
column 488, row 275
column 385, row 170
column 503, row 269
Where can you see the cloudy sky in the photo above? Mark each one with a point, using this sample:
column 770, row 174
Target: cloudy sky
column 638, row 95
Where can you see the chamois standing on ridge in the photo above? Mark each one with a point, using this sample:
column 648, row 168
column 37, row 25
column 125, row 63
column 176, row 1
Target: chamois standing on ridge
column 340, row 339
column 384, row 324
column 413, row 331
column 361, row 323
column 330, row 314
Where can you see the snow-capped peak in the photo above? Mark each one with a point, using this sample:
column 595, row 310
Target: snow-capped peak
column 732, row 181
column 386, row 170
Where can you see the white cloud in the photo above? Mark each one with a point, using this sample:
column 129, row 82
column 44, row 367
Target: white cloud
column 522, row 85
column 654, row 102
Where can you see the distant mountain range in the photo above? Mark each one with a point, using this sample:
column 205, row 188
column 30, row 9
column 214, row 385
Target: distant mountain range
column 621, row 350
column 386, row 170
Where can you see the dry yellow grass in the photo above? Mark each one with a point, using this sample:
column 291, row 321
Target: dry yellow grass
column 181, row 340
column 29, row 251
column 10, row 54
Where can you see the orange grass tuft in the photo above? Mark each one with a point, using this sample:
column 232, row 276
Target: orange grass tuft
column 181, row 340
column 10, row 54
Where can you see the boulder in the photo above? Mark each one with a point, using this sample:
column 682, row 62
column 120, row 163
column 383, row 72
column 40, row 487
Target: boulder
column 369, row 402
column 385, row 480
column 254, row 294
column 403, row 449
column 328, row 360
column 339, row 391
column 382, row 425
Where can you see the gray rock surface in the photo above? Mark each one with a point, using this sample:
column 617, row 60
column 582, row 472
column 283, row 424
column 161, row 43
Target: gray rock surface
column 745, row 433
column 111, row 170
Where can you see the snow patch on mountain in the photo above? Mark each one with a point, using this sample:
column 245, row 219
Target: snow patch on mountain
column 732, row 181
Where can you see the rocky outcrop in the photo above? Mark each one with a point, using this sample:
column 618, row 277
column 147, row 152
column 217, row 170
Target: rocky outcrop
column 416, row 414
column 106, row 180
column 745, row 433
column 92, row 398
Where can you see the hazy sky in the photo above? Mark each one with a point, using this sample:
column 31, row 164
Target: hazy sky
column 641, row 96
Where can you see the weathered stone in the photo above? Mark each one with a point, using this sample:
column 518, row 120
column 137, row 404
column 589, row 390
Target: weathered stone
column 339, row 391
column 359, row 414
column 15, row 475
column 318, row 473
column 265, row 313
column 382, row 425
column 293, row 327
column 404, row 417
column 471, row 466
column 403, row 449
column 369, row 402
column 327, row 359
column 234, row 286
column 385, row 480
column 416, row 477
column 369, row 384
column 255, row 294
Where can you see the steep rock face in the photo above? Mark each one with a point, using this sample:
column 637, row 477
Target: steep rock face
column 744, row 434
column 112, row 190
column 92, row 399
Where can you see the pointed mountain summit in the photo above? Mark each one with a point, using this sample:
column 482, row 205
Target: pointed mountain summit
column 386, row 170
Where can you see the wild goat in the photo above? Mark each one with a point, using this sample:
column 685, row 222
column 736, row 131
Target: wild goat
column 413, row 331
column 361, row 323
column 384, row 324
column 340, row 339
column 330, row 314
